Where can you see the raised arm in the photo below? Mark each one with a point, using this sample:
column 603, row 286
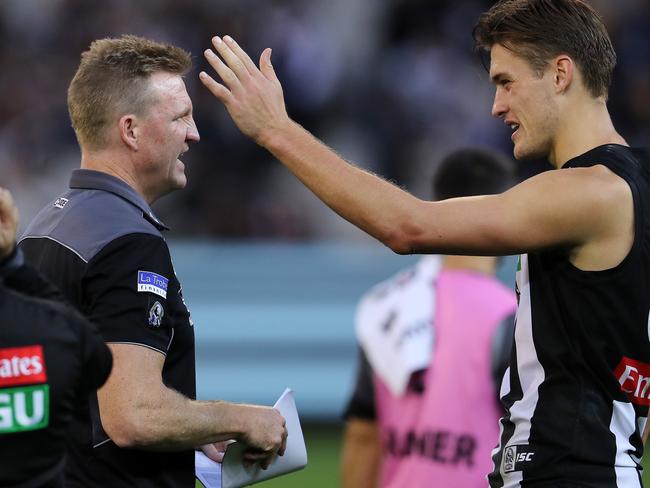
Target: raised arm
column 572, row 208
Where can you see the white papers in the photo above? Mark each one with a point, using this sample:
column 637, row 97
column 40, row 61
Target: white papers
column 233, row 472
column 207, row 471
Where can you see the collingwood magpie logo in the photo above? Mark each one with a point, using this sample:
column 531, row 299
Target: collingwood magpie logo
column 156, row 313
column 514, row 456
column 509, row 459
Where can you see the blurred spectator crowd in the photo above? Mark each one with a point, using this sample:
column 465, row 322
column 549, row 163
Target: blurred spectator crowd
column 390, row 84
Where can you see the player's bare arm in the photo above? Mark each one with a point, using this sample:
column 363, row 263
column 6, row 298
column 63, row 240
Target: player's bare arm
column 577, row 208
column 138, row 410
column 361, row 455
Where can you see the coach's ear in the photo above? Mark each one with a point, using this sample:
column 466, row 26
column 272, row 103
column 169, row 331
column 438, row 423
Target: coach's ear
column 129, row 131
column 563, row 70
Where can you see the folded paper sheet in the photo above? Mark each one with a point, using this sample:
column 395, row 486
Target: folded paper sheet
column 234, row 474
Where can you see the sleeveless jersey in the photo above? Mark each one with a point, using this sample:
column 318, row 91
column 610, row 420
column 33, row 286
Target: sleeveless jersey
column 578, row 388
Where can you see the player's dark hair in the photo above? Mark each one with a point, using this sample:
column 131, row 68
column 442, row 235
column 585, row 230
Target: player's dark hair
column 470, row 172
column 539, row 30
column 112, row 80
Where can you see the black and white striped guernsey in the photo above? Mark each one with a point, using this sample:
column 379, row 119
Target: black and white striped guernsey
column 578, row 388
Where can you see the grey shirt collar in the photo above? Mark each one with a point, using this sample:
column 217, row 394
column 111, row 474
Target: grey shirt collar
column 87, row 179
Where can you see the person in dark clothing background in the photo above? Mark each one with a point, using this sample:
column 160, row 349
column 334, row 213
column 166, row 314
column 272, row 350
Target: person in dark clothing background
column 51, row 358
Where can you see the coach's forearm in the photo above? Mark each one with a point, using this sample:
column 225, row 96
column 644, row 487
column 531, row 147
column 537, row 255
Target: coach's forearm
column 171, row 421
column 376, row 206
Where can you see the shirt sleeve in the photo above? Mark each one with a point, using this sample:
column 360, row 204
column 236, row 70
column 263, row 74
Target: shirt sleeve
column 362, row 402
column 125, row 291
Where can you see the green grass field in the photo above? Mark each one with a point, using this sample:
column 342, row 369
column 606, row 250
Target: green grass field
column 322, row 471
column 323, row 449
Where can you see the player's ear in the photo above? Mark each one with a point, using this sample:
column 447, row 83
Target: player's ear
column 129, row 131
column 563, row 70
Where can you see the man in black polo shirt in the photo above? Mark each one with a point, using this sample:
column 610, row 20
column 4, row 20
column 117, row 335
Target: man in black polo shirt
column 102, row 244
column 51, row 359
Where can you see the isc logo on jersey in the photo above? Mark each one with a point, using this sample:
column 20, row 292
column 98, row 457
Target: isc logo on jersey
column 24, row 396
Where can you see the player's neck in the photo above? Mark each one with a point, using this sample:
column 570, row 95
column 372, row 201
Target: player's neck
column 586, row 126
column 480, row 264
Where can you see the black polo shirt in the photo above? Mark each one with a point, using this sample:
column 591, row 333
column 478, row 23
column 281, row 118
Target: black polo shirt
column 102, row 244
column 51, row 359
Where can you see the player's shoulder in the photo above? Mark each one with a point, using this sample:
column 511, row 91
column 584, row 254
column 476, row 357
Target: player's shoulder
column 598, row 181
column 582, row 186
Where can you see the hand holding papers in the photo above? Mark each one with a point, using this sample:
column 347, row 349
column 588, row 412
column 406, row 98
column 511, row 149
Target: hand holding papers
column 233, row 472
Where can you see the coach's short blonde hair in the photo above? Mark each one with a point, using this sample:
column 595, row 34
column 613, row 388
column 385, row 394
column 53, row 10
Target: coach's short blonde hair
column 112, row 80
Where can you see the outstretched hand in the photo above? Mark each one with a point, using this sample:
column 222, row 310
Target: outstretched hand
column 253, row 96
column 8, row 223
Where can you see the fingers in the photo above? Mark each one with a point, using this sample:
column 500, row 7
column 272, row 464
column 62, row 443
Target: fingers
column 283, row 437
column 7, row 207
column 269, row 460
column 241, row 54
column 264, row 458
column 213, row 452
column 273, row 441
column 224, row 72
column 225, row 48
column 238, row 65
column 8, row 223
column 283, row 446
column 217, row 89
column 266, row 67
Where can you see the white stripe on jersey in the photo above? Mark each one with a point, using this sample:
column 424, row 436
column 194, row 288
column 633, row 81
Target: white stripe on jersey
column 530, row 372
column 623, row 426
column 640, row 422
